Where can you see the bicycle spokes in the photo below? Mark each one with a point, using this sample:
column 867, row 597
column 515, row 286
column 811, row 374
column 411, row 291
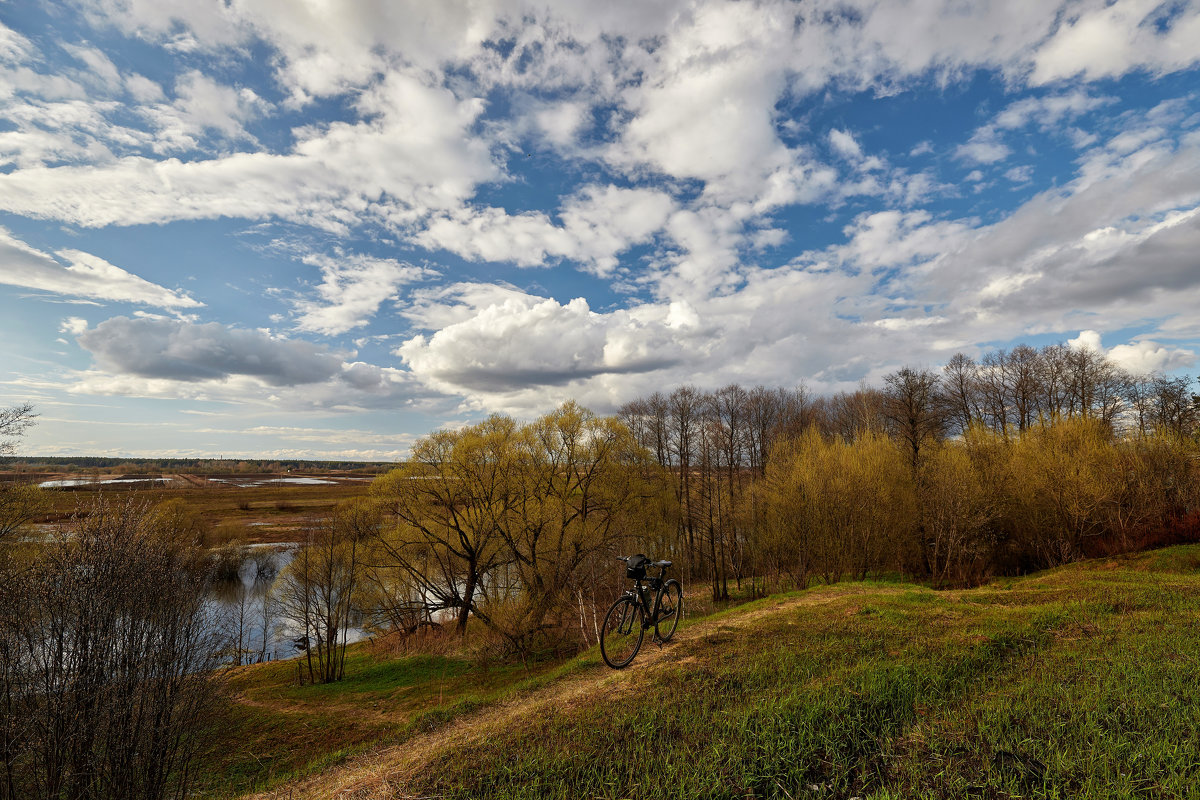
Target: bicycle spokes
column 621, row 636
column 626, row 625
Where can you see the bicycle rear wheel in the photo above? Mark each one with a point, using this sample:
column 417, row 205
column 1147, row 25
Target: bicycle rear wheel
column 621, row 636
column 670, row 609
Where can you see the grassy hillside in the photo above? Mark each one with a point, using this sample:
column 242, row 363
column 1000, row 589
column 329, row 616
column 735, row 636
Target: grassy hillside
column 1080, row 682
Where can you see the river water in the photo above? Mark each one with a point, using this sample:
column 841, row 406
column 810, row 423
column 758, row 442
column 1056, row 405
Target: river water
column 247, row 616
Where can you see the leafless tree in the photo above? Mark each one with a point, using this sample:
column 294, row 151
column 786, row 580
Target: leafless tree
column 772, row 413
column 960, row 392
column 1173, row 408
column 105, row 657
column 316, row 592
column 1053, row 375
column 684, row 406
column 913, row 408
column 14, row 422
column 1020, row 376
column 648, row 419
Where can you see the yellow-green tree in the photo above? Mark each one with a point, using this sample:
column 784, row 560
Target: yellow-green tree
column 957, row 507
column 448, row 503
column 847, row 505
column 502, row 521
column 580, row 482
column 1062, row 481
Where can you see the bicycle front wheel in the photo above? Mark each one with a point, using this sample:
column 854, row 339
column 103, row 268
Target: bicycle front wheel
column 621, row 636
column 670, row 609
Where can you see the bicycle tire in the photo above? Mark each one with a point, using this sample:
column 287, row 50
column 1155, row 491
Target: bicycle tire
column 670, row 609
column 622, row 632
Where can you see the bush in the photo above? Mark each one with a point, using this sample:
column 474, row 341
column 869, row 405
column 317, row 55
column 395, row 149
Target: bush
column 104, row 659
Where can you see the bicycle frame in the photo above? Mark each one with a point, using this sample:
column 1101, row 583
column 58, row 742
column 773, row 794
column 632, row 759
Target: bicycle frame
column 639, row 593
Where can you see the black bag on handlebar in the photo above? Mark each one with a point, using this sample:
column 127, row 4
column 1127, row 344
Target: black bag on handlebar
column 635, row 567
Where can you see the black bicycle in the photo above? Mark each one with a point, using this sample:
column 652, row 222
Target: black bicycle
column 627, row 620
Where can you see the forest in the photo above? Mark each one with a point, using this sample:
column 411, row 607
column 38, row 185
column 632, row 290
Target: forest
column 504, row 534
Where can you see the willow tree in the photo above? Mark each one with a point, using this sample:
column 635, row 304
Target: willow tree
column 849, row 504
column 957, row 506
column 577, row 489
column 1063, row 481
column 448, row 503
column 502, row 521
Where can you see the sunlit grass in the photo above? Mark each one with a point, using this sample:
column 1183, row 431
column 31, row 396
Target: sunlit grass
column 1078, row 682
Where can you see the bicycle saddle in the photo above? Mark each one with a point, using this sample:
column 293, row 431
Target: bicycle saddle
column 663, row 564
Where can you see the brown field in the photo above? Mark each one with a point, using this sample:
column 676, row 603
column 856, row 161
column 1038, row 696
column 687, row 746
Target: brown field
column 247, row 507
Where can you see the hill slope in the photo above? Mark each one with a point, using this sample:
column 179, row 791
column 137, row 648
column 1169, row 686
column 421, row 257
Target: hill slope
column 1079, row 682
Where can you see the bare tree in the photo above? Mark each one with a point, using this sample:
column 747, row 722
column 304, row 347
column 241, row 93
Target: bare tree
column 105, row 658
column 1097, row 387
column 1174, row 409
column 1053, row 382
column 1020, row 369
column 317, row 590
column 849, row 415
column 648, row 421
column 684, row 407
column 13, row 424
column 771, row 414
column 960, row 392
column 913, row 408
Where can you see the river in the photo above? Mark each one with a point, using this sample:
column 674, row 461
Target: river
column 246, row 615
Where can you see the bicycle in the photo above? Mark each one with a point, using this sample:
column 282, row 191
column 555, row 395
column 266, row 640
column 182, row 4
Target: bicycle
column 628, row 618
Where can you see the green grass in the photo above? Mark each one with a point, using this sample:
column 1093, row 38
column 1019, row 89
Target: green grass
column 270, row 729
column 1076, row 683
column 1081, row 682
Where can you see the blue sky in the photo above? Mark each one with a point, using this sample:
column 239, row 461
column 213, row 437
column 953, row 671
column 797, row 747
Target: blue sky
column 290, row 228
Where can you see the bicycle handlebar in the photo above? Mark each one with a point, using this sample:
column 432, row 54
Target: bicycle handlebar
column 662, row 565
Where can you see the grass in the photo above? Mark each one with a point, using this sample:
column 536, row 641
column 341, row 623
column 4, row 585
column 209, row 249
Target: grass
column 270, row 729
column 1075, row 683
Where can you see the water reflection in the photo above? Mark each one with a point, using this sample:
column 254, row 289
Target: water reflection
column 247, row 615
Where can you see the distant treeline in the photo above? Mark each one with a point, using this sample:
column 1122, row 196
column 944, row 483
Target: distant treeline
column 192, row 465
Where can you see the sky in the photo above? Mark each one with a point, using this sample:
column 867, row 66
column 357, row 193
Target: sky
column 291, row 228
